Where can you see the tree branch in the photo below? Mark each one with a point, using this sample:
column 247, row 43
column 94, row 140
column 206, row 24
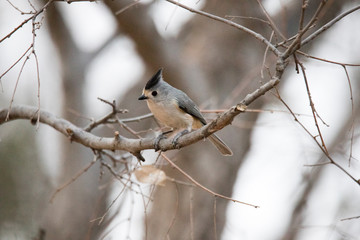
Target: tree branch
column 119, row 142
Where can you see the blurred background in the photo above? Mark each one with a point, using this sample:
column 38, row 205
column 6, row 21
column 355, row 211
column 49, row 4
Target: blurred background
column 109, row 49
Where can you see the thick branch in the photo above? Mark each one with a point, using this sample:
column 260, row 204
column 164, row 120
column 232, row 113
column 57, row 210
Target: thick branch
column 133, row 145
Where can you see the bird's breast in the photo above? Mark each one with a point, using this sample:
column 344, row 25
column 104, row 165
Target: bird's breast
column 169, row 114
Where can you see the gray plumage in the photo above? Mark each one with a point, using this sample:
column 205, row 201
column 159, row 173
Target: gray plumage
column 173, row 108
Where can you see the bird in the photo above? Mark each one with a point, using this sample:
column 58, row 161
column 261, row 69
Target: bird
column 175, row 109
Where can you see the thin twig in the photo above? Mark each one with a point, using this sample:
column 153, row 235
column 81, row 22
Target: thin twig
column 319, row 145
column 304, row 5
column 296, row 44
column 231, row 23
column 176, row 211
column 16, row 62
column 137, row 119
column 108, row 118
column 313, row 110
column 251, row 18
column 74, row 178
column 350, row 218
column 16, row 84
column 191, row 213
column 317, row 164
column 214, row 218
column 27, row 20
column 201, row 186
column 329, row 61
column 272, row 24
column 101, row 219
column 18, row 9
column 328, row 25
column 352, row 114
column 127, row 7
column 265, row 55
column 38, row 86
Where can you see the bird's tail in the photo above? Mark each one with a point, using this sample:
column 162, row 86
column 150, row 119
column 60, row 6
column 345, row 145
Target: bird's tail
column 220, row 145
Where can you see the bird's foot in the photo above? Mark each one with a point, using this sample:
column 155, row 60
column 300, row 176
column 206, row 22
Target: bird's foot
column 158, row 139
column 177, row 136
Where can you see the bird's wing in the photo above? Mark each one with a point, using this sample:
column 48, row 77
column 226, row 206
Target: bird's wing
column 188, row 106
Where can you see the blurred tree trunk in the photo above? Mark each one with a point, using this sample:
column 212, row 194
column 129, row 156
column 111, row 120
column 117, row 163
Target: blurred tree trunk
column 75, row 206
column 23, row 184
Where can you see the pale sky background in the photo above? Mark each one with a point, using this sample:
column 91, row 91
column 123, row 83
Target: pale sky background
column 279, row 150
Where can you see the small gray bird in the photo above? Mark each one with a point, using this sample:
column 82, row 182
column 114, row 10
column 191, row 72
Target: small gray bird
column 173, row 108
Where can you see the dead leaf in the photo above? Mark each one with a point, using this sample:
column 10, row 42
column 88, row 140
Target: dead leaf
column 150, row 174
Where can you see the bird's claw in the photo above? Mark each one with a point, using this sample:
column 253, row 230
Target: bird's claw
column 176, row 138
column 157, row 141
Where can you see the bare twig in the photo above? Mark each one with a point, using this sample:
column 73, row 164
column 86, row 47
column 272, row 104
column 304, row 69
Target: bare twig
column 16, row 62
column 18, row 9
column 304, row 5
column 38, row 82
column 296, row 43
column 176, row 211
column 314, row 138
column 137, row 119
column 73, row 179
column 127, row 7
column 253, row 110
column 108, row 118
column 16, row 84
column 350, row 218
column 214, row 217
column 265, row 55
column 27, row 20
column 313, row 110
column 251, row 18
column 272, row 24
column 328, row 25
column 352, row 115
column 101, row 219
column 191, row 213
column 231, row 23
column 201, row 186
column 35, row 26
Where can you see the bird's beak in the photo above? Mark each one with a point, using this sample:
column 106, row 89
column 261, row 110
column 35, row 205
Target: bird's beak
column 143, row 97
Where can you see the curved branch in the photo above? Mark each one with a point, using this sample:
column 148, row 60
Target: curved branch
column 73, row 132
column 119, row 142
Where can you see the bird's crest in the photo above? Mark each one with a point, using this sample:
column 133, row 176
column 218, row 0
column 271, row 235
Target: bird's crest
column 154, row 79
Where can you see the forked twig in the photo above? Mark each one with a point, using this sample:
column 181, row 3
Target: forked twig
column 27, row 20
column 328, row 25
column 314, row 138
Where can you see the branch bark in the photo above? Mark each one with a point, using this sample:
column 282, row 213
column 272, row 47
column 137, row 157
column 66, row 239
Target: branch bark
column 77, row 134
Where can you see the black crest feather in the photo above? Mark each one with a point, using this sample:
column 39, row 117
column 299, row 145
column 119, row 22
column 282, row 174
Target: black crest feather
column 154, row 79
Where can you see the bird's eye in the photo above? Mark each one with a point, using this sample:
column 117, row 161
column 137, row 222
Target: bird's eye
column 154, row 93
